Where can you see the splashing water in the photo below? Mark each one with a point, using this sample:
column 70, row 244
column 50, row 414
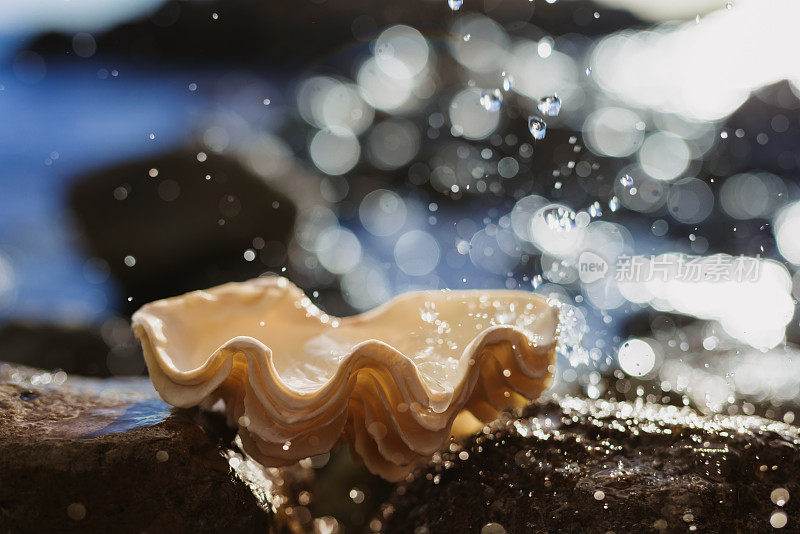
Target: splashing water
column 549, row 105
column 537, row 127
column 508, row 82
column 559, row 233
column 572, row 329
column 428, row 313
column 559, row 218
column 455, row 5
column 491, row 100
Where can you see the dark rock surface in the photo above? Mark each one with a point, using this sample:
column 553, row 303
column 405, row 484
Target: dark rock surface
column 292, row 34
column 106, row 350
column 345, row 493
column 574, row 465
column 87, row 455
column 179, row 230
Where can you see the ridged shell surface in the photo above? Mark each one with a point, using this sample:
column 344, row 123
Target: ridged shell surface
column 389, row 382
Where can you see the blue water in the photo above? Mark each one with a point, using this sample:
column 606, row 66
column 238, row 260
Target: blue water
column 78, row 117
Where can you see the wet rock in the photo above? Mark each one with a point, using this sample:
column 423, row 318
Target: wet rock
column 182, row 221
column 107, row 350
column 345, row 491
column 273, row 35
column 572, row 465
column 93, row 455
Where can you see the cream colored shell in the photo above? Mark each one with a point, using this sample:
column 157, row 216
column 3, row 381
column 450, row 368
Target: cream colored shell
column 390, row 381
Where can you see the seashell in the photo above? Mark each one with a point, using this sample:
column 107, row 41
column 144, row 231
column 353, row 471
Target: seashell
column 389, row 382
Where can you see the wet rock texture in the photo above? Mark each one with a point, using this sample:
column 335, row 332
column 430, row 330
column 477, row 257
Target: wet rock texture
column 266, row 34
column 87, row 455
column 85, row 350
column 570, row 465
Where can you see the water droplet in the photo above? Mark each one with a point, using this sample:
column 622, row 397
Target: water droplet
column 549, row 105
column 357, row 495
column 76, row 511
column 595, row 210
column 779, row 496
column 467, row 37
column 626, row 180
column 613, row 204
column 428, row 313
column 491, row 100
column 778, row 520
column 728, row 5
column 559, row 218
column 508, row 82
column 493, row 528
column 588, row 71
column 455, row 5
column 266, row 101
column 582, row 219
column 214, row 16
column 537, row 127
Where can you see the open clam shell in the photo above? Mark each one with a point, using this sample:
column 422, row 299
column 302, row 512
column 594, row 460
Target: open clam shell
column 390, row 381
